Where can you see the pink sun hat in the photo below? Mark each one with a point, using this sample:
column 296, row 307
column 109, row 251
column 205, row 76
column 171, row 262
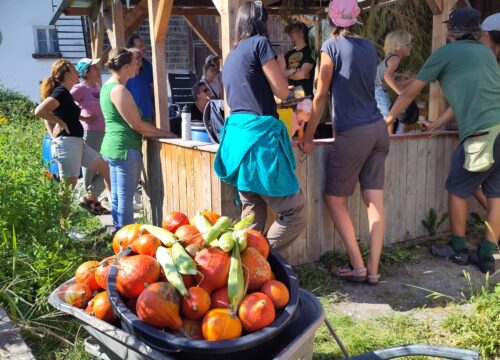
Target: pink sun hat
column 343, row 13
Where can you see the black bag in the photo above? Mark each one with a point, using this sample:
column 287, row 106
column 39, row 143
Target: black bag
column 410, row 115
column 213, row 119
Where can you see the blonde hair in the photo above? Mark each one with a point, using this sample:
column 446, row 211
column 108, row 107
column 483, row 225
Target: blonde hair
column 396, row 40
column 119, row 57
column 57, row 72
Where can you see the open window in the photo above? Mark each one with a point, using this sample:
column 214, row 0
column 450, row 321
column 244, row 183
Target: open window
column 46, row 42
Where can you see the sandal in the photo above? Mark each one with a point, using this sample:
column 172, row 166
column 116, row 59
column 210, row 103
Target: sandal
column 349, row 273
column 94, row 207
column 373, row 279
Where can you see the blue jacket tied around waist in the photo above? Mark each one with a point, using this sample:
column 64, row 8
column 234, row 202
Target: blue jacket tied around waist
column 255, row 154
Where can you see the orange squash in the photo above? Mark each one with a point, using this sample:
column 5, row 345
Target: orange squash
column 78, row 295
column 134, row 272
column 189, row 235
column 256, row 311
column 257, row 267
column 214, row 264
column 220, row 324
column 102, row 271
column 158, row 305
column 192, row 328
column 146, row 245
column 125, row 236
column 211, row 216
column 101, row 307
column 173, row 220
column 85, row 274
column 219, row 299
column 196, row 304
column 256, row 240
column 277, row 292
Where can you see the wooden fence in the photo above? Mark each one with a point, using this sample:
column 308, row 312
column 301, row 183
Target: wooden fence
column 416, row 170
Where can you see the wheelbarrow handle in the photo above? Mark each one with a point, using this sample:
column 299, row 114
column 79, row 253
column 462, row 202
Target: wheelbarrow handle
column 443, row 352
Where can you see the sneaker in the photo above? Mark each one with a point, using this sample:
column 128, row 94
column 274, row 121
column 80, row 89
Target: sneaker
column 447, row 252
column 484, row 264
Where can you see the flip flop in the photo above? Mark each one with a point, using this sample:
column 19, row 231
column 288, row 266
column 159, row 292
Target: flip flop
column 94, row 207
column 349, row 273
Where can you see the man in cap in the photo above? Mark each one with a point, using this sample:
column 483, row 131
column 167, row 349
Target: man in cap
column 86, row 96
column 211, row 76
column 470, row 78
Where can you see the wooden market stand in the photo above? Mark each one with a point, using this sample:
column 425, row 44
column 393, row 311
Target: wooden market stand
column 179, row 175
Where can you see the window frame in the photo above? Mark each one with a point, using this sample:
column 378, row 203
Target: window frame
column 52, row 52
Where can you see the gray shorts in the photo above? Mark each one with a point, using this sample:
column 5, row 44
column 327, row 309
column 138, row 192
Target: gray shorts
column 71, row 153
column 463, row 183
column 357, row 154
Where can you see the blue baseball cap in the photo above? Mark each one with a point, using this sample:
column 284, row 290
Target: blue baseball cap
column 83, row 65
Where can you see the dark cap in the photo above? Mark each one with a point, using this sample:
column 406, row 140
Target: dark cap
column 211, row 57
column 464, row 17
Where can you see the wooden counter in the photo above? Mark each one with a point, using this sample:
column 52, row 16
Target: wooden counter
column 181, row 177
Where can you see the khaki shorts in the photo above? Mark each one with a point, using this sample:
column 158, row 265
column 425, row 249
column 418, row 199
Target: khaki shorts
column 357, row 154
column 71, row 153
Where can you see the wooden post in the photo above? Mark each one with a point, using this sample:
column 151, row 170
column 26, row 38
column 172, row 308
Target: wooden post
column 440, row 10
column 153, row 194
column 228, row 12
column 96, row 36
column 114, row 24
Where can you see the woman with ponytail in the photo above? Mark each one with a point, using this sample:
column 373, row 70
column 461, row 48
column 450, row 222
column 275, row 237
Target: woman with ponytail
column 62, row 118
column 125, row 128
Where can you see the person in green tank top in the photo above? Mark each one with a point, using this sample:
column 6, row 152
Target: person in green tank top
column 470, row 78
column 121, row 146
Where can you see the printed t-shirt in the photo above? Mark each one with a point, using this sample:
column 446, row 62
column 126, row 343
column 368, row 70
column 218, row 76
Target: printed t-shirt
column 247, row 89
column 469, row 75
column 67, row 111
column 353, row 83
column 294, row 60
column 87, row 98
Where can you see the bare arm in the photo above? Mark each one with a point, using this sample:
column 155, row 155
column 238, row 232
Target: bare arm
column 275, row 78
column 319, row 101
column 404, row 99
column 44, row 111
column 302, row 73
column 442, row 120
column 125, row 105
column 390, row 74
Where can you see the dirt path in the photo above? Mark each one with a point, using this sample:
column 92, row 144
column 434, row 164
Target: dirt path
column 402, row 289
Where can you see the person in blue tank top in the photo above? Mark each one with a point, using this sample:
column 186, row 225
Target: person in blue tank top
column 347, row 72
column 255, row 153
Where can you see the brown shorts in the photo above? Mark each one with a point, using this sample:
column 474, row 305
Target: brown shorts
column 357, row 153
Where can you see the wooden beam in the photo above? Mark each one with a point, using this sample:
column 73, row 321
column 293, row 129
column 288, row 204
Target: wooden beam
column 159, row 61
column 162, row 18
column 217, row 4
column 202, row 34
column 135, row 17
column 96, row 37
column 193, row 11
column 113, row 19
column 229, row 10
column 436, row 6
column 74, row 11
column 437, row 103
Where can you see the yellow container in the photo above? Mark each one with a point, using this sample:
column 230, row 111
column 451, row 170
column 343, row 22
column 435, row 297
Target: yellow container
column 285, row 115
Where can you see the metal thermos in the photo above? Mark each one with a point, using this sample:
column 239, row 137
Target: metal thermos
column 186, row 123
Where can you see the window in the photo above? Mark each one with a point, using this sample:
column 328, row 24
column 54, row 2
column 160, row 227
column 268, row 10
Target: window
column 46, row 41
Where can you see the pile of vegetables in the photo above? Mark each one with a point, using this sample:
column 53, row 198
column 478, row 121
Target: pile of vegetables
column 205, row 278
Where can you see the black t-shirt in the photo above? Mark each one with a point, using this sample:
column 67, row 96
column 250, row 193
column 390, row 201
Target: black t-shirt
column 247, row 89
column 196, row 115
column 294, row 60
column 67, row 111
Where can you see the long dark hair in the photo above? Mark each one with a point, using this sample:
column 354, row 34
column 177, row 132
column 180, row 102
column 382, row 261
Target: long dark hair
column 251, row 20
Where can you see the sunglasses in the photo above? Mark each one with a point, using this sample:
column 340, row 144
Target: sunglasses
column 204, row 90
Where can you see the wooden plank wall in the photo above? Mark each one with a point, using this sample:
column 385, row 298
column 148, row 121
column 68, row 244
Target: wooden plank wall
column 416, row 170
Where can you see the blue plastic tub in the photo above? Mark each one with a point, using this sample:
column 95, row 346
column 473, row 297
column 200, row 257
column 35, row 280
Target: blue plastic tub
column 48, row 160
column 199, row 133
column 252, row 346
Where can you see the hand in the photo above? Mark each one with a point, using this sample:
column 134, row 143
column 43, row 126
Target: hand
column 306, row 145
column 59, row 128
column 427, row 125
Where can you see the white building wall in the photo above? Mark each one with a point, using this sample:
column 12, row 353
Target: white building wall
column 18, row 69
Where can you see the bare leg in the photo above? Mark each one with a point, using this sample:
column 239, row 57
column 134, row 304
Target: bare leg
column 100, row 166
column 481, row 199
column 374, row 200
column 340, row 217
column 457, row 209
column 69, row 183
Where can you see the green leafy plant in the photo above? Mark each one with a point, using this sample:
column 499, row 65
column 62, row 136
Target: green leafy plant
column 432, row 223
